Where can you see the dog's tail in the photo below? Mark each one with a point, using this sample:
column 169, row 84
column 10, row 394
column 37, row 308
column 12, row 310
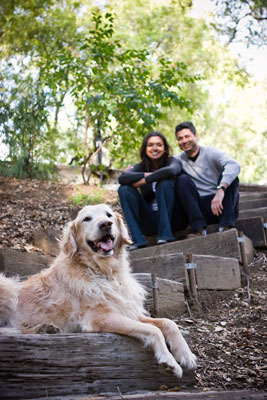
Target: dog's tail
column 9, row 291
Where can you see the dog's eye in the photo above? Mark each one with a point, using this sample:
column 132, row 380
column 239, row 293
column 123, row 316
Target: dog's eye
column 87, row 219
column 109, row 215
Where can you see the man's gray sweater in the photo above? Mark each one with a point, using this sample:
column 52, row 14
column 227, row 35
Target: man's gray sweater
column 206, row 170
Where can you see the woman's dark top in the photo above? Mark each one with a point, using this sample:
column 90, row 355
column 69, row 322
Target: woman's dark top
column 172, row 168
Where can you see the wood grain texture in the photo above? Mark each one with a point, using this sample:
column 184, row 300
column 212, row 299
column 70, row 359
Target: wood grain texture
column 223, row 244
column 33, row 366
column 171, row 301
column 15, row 262
column 217, row 273
column 166, row 266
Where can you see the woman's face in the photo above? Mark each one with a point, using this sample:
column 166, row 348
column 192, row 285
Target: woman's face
column 155, row 148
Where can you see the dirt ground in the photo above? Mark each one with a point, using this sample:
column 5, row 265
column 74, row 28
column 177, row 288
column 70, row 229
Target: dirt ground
column 228, row 330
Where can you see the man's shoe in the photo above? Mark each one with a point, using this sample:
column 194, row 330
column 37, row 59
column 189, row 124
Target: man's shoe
column 198, row 233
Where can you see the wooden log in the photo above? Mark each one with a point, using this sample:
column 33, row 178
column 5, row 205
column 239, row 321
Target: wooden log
column 251, row 187
column 213, row 272
column 168, row 266
column 258, row 212
column 252, row 204
column 244, row 196
column 47, row 240
column 192, row 394
column 15, row 262
column 171, row 301
column 33, row 366
column 252, row 227
column 217, row 273
column 223, row 244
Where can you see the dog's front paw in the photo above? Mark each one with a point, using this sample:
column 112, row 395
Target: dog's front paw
column 168, row 364
column 171, row 369
column 48, row 329
column 188, row 359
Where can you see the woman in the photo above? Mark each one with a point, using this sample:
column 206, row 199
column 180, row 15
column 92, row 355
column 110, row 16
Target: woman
column 147, row 193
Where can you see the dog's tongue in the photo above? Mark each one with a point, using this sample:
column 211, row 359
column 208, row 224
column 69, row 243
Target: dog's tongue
column 106, row 245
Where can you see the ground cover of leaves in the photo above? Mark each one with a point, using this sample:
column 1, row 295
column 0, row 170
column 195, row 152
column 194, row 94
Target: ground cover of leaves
column 228, row 329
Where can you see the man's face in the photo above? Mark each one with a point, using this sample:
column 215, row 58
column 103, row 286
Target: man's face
column 187, row 141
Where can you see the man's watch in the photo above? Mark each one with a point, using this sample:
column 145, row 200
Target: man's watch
column 221, row 187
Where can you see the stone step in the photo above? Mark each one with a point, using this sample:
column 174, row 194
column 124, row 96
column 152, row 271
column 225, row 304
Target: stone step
column 35, row 366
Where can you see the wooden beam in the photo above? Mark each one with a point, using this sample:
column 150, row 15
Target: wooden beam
column 252, row 204
column 170, row 296
column 252, row 227
column 16, row 262
column 168, row 266
column 217, row 273
column 33, row 366
column 251, row 187
column 258, row 212
column 223, row 244
column 244, row 196
column 47, row 240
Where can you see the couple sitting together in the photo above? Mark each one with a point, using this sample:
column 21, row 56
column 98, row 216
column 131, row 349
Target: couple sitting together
column 163, row 194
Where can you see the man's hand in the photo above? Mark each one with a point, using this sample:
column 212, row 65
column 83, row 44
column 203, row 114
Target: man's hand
column 216, row 203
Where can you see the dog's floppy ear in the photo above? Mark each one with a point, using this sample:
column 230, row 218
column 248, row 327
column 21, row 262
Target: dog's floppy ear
column 123, row 230
column 68, row 243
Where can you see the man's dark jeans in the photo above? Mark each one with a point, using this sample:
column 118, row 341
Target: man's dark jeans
column 198, row 209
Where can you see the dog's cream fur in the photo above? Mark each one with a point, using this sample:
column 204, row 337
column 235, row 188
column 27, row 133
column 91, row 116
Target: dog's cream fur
column 90, row 285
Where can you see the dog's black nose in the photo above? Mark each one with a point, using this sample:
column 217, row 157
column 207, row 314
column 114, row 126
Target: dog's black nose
column 105, row 225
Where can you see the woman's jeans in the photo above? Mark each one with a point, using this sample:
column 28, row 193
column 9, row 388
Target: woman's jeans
column 140, row 217
column 198, row 209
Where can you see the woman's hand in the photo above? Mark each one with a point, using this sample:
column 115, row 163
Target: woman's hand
column 142, row 181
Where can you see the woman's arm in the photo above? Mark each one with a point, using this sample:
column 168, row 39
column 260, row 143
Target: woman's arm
column 131, row 175
column 171, row 170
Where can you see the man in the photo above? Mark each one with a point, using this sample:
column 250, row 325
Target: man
column 208, row 187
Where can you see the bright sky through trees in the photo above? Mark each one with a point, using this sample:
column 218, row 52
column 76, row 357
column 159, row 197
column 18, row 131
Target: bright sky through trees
column 253, row 57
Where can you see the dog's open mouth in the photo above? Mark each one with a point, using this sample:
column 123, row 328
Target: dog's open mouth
column 103, row 245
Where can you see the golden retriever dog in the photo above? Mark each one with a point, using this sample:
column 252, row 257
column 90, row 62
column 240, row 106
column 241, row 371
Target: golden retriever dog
column 90, row 285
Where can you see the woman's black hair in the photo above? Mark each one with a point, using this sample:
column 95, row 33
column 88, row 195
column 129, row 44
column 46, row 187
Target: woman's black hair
column 145, row 160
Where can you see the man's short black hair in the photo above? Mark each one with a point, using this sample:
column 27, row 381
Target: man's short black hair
column 185, row 125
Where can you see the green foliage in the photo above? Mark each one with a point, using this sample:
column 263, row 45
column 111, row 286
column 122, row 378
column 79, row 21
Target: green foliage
column 134, row 68
column 116, row 87
column 25, row 127
column 38, row 26
column 82, row 199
